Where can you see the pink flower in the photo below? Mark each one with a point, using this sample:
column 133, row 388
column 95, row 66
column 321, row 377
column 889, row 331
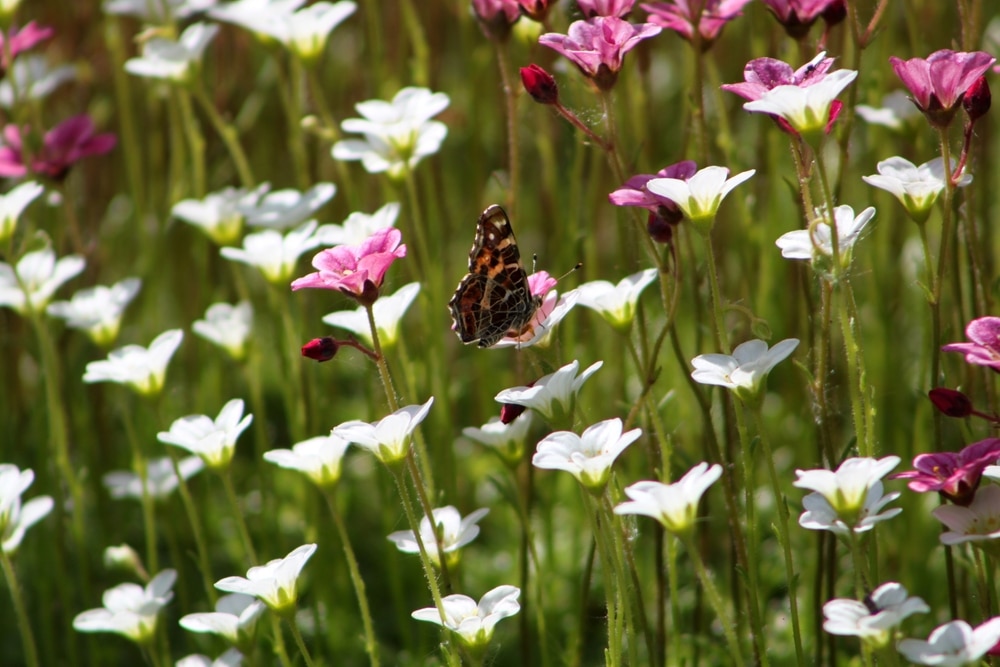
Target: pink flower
column 619, row 8
column 939, row 83
column 955, row 475
column 548, row 315
column 798, row 15
column 70, row 141
column 681, row 17
column 357, row 271
column 635, row 193
column 21, row 40
column 598, row 45
column 984, row 350
column 496, row 16
column 536, row 10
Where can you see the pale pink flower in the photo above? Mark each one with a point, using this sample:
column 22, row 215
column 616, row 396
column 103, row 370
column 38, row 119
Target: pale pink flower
column 67, row 143
column 18, row 41
column 939, row 82
column 798, row 15
column 357, row 271
column 984, row 350
column 619, row 8
column 496, row 16
column 598, row 45
column 681, row 17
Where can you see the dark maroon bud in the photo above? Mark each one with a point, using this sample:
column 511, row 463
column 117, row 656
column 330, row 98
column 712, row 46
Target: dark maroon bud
column 835, row 12
column 951, row 402
column 660, row 229
column 320, row 349
column 540, row 85
column 977, row 99
column 510, row 411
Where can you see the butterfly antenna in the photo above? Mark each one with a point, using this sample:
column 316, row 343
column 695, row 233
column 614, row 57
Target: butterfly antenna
column 534, row 261
column 579, row 265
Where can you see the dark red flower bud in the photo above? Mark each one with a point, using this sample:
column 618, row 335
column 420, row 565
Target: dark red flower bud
column 977, row 99
column 660, row 229
column 951, row 402
column 320, row 349
column 510, row 411
column 536, row 10
column 540, row 84
column 835, row 12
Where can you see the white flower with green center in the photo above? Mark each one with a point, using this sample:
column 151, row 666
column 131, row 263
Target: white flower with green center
column 97, row 310
column 615, row 303
column 161, row 478
column 33, row 80
column 142, row 369
column 274, row 255
column 235, row 618
column 805, row 108
column 231, row 658
column 389, row 438
column 954, row 643
column 816, row 243
column 214, row 440
column 397, row 134
column 304, row 32
column 16, row 518
column 358, row 226
column 157, row 11
column 456, row 532
column 848, row 499
column 318, row 458
column 507, row 440
column 227, row 326
column 388, row 312
column 979, row 523
column 745, row 370
column 700, row 196
column 220, row 215
column 474, row 622
column 28, row 286
column 130, row 609
column 895, row 113
column 916, row 188
column 874, row 619
column 675, row 505
column 172, row 60
column 282, row 209
column 552, row 396
column 274, row 584
column 12, row 205
column 588, row 457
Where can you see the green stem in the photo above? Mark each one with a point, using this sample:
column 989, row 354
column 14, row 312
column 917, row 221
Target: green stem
column 196, row 528
column 141, row 467
column 510, row 106
column 196, row 143
column 23, row 623
column 714, row 599
column 227, row 132
column 241, row 524
column 293, row 389
column 299, row 641
column 290, row 102
column 613, row 654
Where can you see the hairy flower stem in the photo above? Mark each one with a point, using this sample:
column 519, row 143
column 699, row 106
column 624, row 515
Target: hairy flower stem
column 291, row 105
column 227, row 132
column 204, row 564
column 196, row 143
column 297, row 634
column 294, row 393
column 714, row 599
column 23, row 622
column 612, row 592
column 510, row 106
column 241, row 524
column 141, row 468
column 371, row 643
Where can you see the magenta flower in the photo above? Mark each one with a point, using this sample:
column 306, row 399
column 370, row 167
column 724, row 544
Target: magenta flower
column 496, row 16
column 984, row 350
column 552, row 310
column 592, row 8
column 635, row 193
column 598, row 45
column 70, row 141
column 955, row 475
column 357, row 271
column 939, row 83
column 536, row 10
column 21, row 40
column 681, row 17
column 798, row 15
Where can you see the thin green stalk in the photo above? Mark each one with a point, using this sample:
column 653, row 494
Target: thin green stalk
column 629, row 581
column 227, row 132
column 300, row 642
column 718, row 321
column 293, row 390
column 21, row 610
column 241, row 524
column 714, row 599
column 860, row 565
column 418, row 41
column 613, row 653
column 371, row 644
column 331, row 131
column 196, row 143
column 196, row 528
column 291, row 104
column 510, row 107
column 141, row 467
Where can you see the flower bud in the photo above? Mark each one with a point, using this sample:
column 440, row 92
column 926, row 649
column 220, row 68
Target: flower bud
column 950, row 402
column 660, row 229
column 536, row 10
column 540, row 85
column 976, row 100
column 835, row 12
column 510, row 411
column 320, row 349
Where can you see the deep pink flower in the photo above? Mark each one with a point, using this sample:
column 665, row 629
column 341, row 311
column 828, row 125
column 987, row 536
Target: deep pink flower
column 984, row 350
column 635, row 193
column 798, row 15
column 592, row 8
column 21, row 40
column 955, row 475
column 497, row 16
column 598, row 45
column 357, row 271
column 939, row 82
column 680, row 16
column 536, row 10
column 540, row 84
column 320, row 349
column 70, row 141
column 977, row 99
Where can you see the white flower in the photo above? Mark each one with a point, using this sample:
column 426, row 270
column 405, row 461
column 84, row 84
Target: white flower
column 506, row 439
column 142, row 369
column 745, row 370
column 474, row 623
column 952, row 644
column 304, row 32
column 849, row 499
column 34, row 79
column 318, row 458
column 213, row 440
column 15, row 518
column 896, row 111
column 456, row 532
column 358, row 226
column 231, row 658
column 699, row 197
column 220, row 215
column 807, row 109
column 235, row 618
column 397, row 134
column 255, row 15
column 97, row 310
column 388, row 312
column 274, row 584
column 13, row 203
column 123, row 557
column 916, row 188
column 615, row 303
column 29, row 286
column 554, row 395
column 130, row 609
column 817, row 242
column 282, row 209
column 227, row 326
column 673, row 505
column 273, row 254
column 539, row 330
column 161, row 480
column 157, row 11
column 977, row 523
column 388, row 439
column 587, row 457
column 873, row 619
column 173, row 60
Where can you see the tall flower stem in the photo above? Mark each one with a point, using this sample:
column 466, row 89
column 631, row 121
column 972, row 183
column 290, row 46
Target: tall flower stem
column 297, row 634
column 937, row 285
column 612, row 592
column 196, row 143
column 294, row 393
column 23, row 622
column 714, row 599
column 510, row 107
column 204, row 564
column 227, row 132
column 371, row 644
column 241, row 524
column 290, row 102
column 141, row 468
column 331, row 131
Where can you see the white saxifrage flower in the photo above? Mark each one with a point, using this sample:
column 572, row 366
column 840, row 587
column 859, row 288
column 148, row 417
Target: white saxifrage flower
column 157, row 11
column 388, row 312
column 282, row 209
column 816, row 243
column 952, row 644
column 220, row 215
column 273, row 254
column 235, row 618
column 874, row 619
column 588, row 457
column 806, row 109
column 212, row 440
column 33, row 80
column 97, row 310
column 142, row 369
column 979, row 523
column 389, row 438
column 552, row 396
column 231, row 658
column 12, row 205
column 507, row 440
column 456, row 532
column 227, row 326
column 173, row 60
column 896, row 111
column 848, row 499
column 161, row 479
column 615, row 303
column 700, row 196
column 317, row 458
column 916, row 188
column 28, row 286
column 673, row 505
column 304, row 32
column 16, row 518
column 745, row 370
column 358, row 226
column 474, row 623
column 274, row 584
column 130, row 609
